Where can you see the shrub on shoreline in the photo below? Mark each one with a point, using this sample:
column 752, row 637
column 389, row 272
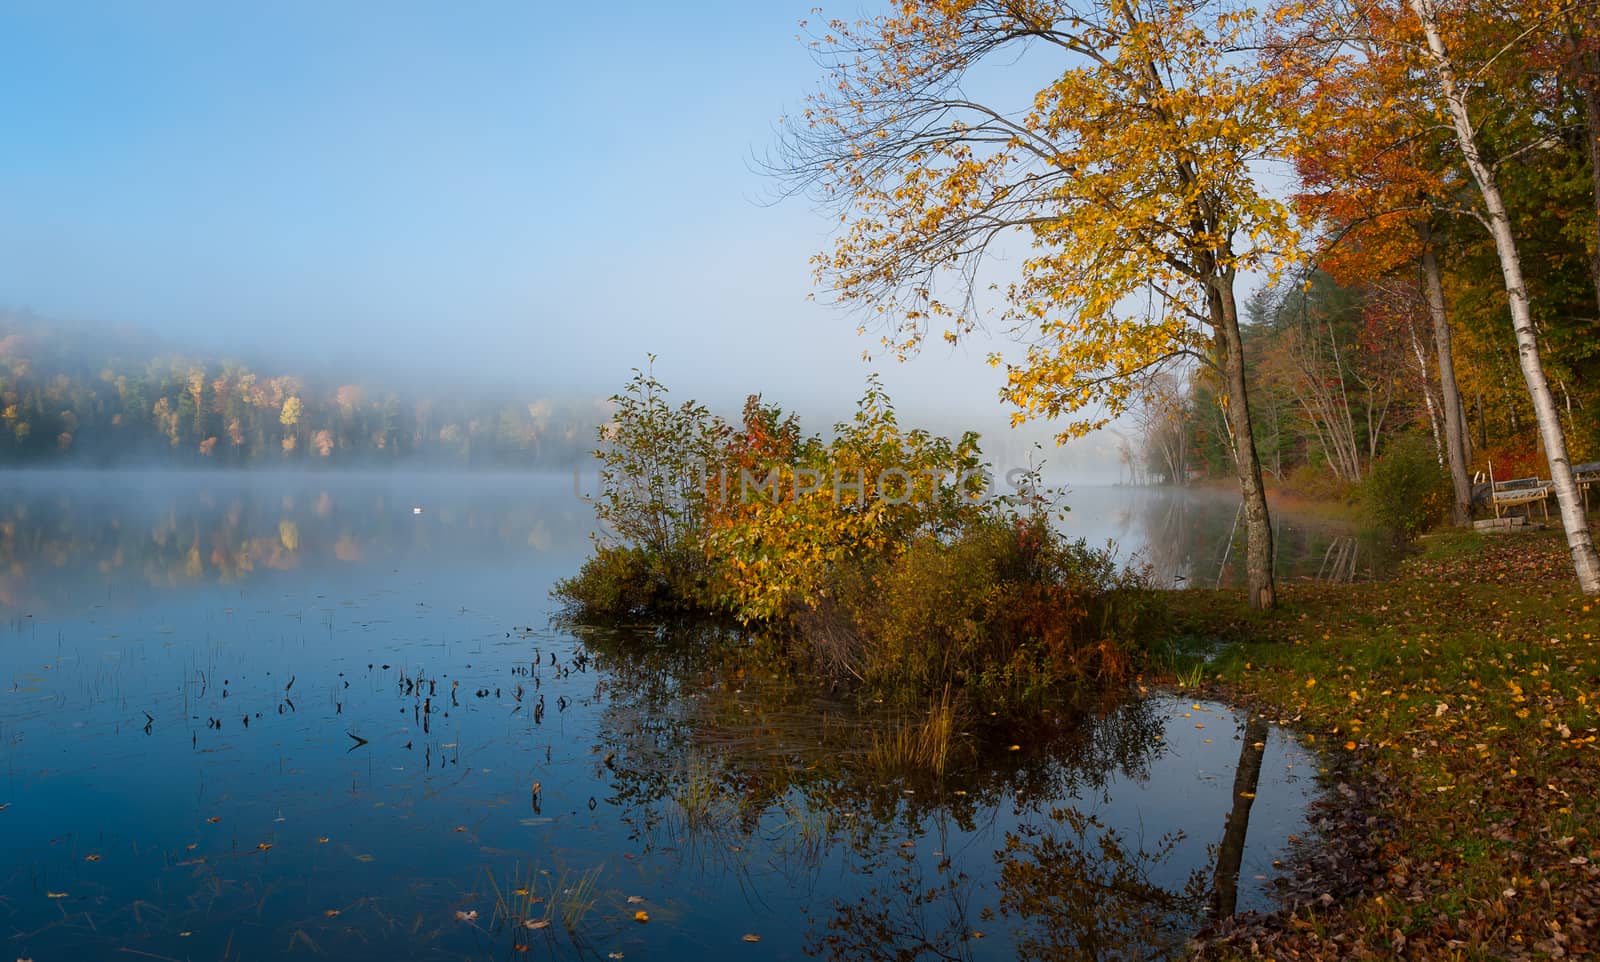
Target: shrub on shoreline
column 871, row 556
column 1405, row 491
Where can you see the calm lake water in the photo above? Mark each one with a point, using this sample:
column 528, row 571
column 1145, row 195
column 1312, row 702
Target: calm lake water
column 1196, row 538
column 277, row 716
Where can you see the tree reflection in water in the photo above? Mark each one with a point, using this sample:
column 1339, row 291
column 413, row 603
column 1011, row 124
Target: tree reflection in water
column 738, row 769
column 1080, row 890
column 1194, row 539
column 1230, row 854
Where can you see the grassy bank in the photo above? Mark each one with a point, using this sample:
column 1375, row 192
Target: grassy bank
column 1459, row 702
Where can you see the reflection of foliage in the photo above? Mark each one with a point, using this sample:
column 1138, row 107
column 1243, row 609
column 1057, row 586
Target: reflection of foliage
column 1084, row 893
column 54, row 537
column 1192, row 540
column 792, row 774
column 907, row 919
column 772, row 742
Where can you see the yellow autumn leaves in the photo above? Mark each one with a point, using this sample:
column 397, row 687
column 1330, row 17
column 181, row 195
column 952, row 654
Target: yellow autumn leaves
column 1126, row 181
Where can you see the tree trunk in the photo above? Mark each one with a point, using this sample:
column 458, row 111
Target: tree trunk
column 1584, row 559
column 1258, row 524
column 1455, row 430
column 1434, row 430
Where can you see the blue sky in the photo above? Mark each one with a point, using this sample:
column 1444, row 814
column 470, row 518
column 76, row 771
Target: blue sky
column 518, row 193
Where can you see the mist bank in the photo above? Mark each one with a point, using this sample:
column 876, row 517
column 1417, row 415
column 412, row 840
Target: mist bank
column 84, row 396
column 75, row 395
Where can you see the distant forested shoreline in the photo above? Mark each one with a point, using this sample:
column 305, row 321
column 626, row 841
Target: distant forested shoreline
column 73, row 396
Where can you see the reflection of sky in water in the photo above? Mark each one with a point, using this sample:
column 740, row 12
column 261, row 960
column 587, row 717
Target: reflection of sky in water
column 185, row 662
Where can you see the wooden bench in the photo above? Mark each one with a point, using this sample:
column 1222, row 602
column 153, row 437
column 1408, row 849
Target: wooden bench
column 1587, row 475
column 1509, row 494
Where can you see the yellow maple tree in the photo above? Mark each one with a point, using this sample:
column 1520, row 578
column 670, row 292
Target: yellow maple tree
column 1131, row 175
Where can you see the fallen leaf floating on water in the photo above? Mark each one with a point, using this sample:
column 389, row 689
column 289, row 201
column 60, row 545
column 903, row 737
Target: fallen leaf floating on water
column 752, row 937
column 213, row 819
column 641, row 916
column 331, row 913
column 615, row 955
column 635, row 899
column 322, row 839
column 537, row 923
column 55, row 895
column 363, row 858
column 91, row 858
column 263, row 846
column 467, row 915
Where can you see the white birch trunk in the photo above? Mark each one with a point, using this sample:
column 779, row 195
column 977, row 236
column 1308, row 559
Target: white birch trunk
column 1584, row 559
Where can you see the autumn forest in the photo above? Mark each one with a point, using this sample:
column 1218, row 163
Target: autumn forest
column 89, row 396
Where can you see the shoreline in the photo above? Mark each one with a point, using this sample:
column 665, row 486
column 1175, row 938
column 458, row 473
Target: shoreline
column 1458, row 703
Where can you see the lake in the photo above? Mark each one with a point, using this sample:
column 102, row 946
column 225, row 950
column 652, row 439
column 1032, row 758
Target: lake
column 257, row 716
column 1195, row 538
